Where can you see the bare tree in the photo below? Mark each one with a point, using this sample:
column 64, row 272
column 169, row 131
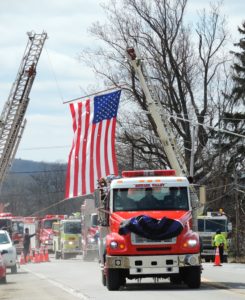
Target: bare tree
column 183, row 66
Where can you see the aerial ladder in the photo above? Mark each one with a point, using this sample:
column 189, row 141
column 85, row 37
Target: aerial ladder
column 12, row 122
column 164, row 131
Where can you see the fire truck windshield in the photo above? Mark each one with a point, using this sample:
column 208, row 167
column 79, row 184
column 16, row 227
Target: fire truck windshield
column 18, row 227
column 159, row 198
column 47, row 224
column 72, row 227
column 212, row 225
column 5, row 224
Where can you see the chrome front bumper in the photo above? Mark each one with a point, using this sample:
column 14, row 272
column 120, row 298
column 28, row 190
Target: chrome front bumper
column 160, row 264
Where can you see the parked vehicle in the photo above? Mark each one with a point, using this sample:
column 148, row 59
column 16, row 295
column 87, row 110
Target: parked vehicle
column 207, row 227
column 43, row 229
column 18, row 232
column 9, row 258
column 90, row 230
column 2, row 267
column 67, row 238
column 15, row 227
column 46, row 232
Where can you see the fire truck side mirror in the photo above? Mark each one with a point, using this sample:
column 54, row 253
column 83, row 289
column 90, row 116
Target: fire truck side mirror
column 229, row 227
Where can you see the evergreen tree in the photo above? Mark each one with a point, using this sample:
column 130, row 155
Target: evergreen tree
column 238, row 92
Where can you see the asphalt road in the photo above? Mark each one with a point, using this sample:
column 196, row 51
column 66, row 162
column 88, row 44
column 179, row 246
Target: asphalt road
column 75, row 279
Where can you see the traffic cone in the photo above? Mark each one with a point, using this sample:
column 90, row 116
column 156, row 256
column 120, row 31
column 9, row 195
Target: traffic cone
column 34, row 256
column 42, row 255
column 46, row 256
column 22, row 259
column 217, row 258
column 37, row 258
column 31, row 256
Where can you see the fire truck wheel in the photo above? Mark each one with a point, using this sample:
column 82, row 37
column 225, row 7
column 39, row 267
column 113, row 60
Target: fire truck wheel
column 14, row 269
column 192, row 276
column 114, row 279
column 103, row 278
column 3, row 280
column 175, row 279
column 57, row 255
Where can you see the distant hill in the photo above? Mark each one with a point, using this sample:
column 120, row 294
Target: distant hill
column 29, row 166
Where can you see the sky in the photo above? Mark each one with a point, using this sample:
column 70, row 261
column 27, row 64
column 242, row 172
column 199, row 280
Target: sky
column 60, row 75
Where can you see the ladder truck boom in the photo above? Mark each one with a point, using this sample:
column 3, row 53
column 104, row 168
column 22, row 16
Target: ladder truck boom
column 165, row 134
column 12, row 121
column 163, row 129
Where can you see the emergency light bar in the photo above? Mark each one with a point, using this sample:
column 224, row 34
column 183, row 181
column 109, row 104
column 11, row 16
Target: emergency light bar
column 141, row 173
column 3, row 215
column 54, row 217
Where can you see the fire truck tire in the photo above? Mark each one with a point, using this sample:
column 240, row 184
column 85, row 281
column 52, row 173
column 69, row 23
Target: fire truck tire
column 114, row 279
column 225, row 259
column 175, row 279
column 103, row 278
column 3, row 280
column 192, row 276
column 14, row 269
column 57, row 255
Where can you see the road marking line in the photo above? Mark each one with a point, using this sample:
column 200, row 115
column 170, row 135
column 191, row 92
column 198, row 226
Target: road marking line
column 67, row 289
column 225, row 288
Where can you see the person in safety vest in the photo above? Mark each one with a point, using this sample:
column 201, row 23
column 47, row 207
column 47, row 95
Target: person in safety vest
column 220, row 241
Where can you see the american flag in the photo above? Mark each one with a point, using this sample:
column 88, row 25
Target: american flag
column 92, row 155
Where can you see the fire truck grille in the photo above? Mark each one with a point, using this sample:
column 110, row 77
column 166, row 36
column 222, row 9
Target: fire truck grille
column 154, row 249
column 207, row 242
column 139, row 240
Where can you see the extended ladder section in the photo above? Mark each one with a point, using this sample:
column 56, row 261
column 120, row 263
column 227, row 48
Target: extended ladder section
column 163, row 127
column 12, row 121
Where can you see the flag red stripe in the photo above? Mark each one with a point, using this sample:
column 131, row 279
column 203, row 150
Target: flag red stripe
column 73, row 113
column 98, row 142
column 77, row 147
column 84, row 147
column 113, row 139
column 68, row 173
column 107, row 169
column 91, row 173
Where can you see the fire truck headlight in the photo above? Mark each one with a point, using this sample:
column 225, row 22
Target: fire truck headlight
column 46, row 242
column 70, row 242
column 113, row 244
column 191, row 243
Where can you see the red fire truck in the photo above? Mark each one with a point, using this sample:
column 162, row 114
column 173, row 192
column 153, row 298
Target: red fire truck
column 146, row 229
column 43, row 229
column 15, row 226
column 89, row 219
column 46, row 231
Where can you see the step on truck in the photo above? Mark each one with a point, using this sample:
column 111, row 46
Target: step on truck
column 145, row 225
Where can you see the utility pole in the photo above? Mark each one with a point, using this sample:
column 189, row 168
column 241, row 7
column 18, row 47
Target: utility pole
column 237, row 207
column 192, row 151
